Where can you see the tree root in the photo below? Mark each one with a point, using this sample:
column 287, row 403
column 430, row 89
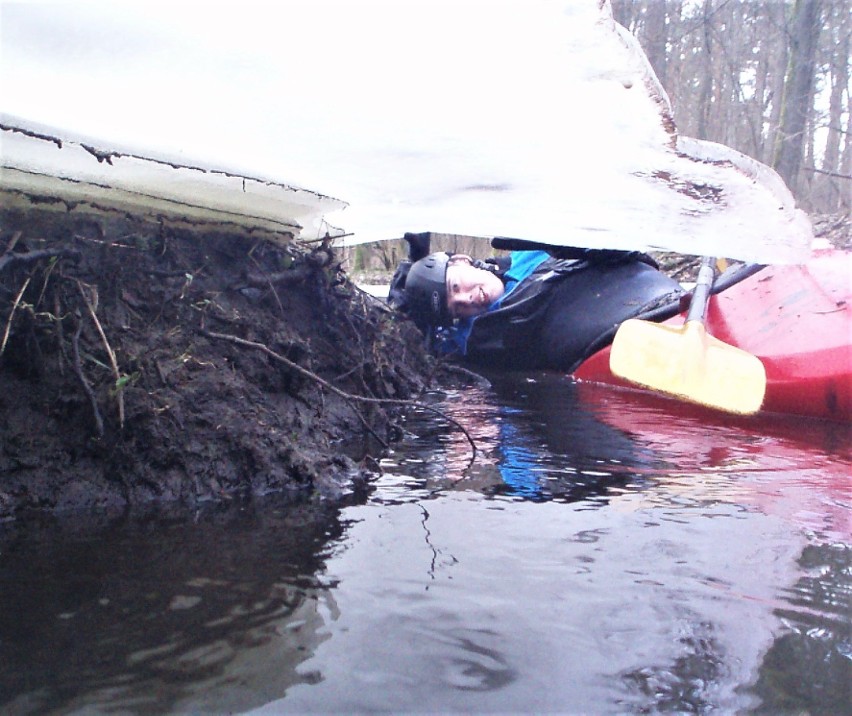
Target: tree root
column 87, row 389
column 337, row 391
column 299, row 274
column 91, row 305
column 11, row 316
column 11, row 258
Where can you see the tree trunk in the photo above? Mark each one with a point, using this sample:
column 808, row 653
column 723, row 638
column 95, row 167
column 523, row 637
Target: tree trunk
column 780, row 59
column 846, row 167
column 798, row 86
column 834, row 186
column 656, row 38
column 706, row 78
column 625, row 13
column 760, row 100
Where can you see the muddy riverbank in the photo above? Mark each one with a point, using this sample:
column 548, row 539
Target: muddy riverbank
column 142, row 363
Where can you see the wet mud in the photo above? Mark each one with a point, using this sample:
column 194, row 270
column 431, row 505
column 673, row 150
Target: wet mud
column 140, row 363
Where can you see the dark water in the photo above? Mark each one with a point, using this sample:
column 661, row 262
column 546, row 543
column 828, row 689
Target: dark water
column 605, row 553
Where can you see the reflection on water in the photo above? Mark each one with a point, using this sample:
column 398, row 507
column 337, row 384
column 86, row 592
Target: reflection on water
column 818, row 633
column 604, row 553
column 140, row 614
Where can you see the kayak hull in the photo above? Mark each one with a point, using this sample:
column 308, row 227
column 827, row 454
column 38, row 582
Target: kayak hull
column 797, row 320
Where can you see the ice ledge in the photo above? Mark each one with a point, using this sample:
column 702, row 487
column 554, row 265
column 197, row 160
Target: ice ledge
column 49, row 169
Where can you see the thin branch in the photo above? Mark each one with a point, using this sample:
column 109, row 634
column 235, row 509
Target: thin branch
column 271, row 285
column 464, row 372
column 87, row 389
column 13, row 241
column 702, row 20
column 828, row 174
column 11, row 315
column 60, row 334
column 113, row 362
column 349, row 372
column 325, row 238
column 337, row 391
column 369, row 429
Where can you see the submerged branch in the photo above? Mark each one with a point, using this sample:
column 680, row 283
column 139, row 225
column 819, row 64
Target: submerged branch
column 337, row 391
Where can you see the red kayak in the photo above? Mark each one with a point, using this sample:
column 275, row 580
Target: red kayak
column 797, row 320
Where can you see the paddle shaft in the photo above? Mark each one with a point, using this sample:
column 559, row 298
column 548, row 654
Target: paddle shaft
column 701, row 293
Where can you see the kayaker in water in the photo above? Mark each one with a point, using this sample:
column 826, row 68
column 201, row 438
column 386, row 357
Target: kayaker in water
column 550, row 307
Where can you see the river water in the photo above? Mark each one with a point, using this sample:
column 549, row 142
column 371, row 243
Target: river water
column 605, row 552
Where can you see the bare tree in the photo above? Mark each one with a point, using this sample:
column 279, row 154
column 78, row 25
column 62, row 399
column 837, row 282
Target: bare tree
column 657, row 38
column 767, row 77
column 798, row 89
column 831, row 189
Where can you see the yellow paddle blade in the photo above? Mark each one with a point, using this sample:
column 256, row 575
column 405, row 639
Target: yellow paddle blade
column 689, row 363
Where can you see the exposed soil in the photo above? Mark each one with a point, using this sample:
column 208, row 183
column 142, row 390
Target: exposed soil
column 139, row 363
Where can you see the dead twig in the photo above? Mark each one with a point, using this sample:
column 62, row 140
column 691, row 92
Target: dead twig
column 11, row 316
column 60, row 334
column 465, row 373
column 91, row 305
column 87, row 389
column 325, row 239
column 337, row 391
column 369, row 429
column 349, row 372
column 14, row 240
column 271, row 284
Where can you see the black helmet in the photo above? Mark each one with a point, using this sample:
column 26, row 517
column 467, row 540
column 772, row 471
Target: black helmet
column 420, row 289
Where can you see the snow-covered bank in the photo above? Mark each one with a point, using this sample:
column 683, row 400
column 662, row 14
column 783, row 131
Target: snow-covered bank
column 528, row 118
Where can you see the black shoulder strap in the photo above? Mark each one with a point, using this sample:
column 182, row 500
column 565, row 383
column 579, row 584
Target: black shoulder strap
column 572, row 252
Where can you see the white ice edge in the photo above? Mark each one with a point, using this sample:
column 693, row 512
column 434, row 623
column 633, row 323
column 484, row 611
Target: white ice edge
column 537, row 120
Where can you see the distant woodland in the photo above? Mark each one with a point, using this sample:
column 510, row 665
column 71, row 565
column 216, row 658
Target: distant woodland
column 769, row 78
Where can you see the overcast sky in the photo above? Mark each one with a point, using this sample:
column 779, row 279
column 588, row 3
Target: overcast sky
column 526, row 118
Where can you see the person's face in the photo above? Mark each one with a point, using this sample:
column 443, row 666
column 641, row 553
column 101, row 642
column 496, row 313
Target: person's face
column 470, row 290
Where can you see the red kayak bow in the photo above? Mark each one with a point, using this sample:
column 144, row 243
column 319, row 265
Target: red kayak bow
column 797, row 320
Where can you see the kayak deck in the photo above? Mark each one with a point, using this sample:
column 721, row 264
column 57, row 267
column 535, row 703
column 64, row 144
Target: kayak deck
column 797, row 320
